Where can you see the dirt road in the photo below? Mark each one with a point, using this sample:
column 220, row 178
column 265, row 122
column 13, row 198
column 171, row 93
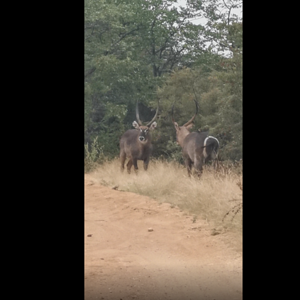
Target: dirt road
column 136, row 248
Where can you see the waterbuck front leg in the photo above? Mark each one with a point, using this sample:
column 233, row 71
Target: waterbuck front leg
column 146, row 162
column 129, row 165
column 135, row 165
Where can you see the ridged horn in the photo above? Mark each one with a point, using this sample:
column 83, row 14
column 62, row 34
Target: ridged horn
column 192, row 119
column 154, row 115
column 138, row 116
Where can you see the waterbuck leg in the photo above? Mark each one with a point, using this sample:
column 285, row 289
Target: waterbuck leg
column 199, row 166
column 216, row 164
column 146, row 162
column 199, row 173
column 135, row 165
column 123, row 158
column 129, row 164
column 188, row 164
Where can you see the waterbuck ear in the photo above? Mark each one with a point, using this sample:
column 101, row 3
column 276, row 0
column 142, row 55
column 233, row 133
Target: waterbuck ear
column 135, row 125
column 153, row 125
column 176, row 126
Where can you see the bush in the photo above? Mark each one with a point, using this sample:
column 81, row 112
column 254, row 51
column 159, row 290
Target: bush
column 93, row 155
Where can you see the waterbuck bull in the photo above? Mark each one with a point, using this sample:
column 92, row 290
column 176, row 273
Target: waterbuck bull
column 135, row 144
column 197, row 147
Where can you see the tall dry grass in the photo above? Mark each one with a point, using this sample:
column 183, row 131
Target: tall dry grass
column 216, row 197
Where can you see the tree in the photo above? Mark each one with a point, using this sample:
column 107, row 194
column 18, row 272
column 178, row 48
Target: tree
column 219, row 94
column 129, row 45
column 143, row 51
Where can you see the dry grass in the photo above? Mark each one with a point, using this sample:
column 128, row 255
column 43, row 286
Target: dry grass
column 214, row 197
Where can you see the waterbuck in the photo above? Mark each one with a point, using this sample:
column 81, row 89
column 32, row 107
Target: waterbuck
column 197, row 147
column 135, row 144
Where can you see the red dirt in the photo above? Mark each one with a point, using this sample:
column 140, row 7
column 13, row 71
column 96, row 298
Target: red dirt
column 178, row 259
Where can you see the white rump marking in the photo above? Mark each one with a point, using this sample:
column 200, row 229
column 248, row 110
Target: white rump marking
column 204, row 149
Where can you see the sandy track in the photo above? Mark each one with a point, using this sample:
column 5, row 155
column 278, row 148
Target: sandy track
column 179, row 259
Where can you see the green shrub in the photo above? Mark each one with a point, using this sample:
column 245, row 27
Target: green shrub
column 93, row 155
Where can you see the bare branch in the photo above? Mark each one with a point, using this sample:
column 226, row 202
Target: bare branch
column 124, row 35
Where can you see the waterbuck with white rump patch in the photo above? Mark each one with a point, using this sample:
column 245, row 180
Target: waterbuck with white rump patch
column 135, row 144
column 197, row 147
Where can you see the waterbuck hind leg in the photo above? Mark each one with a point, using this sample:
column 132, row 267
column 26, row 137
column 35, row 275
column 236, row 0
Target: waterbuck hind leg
column 199, row 166
column 199, row 173
column 188, row 164
column 129, row 165
column 216, row 164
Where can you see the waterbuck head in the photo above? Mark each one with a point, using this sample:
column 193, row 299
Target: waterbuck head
column 184, row 130
column 144, row 130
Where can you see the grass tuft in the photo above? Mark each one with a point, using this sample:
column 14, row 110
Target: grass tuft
column 211, row 198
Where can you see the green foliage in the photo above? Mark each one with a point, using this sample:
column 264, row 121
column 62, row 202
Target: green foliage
column 148, row 50
column 173, row 151
column 108, row 126
column 93, row 155
column 220, row 105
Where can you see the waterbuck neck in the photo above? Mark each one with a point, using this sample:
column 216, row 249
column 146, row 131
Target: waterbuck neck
column 181, row 133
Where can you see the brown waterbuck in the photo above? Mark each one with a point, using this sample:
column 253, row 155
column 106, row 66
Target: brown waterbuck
column 197, row 147
column 135, row 144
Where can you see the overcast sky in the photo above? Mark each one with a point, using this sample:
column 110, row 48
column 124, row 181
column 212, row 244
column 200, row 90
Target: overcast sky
column 199, row 21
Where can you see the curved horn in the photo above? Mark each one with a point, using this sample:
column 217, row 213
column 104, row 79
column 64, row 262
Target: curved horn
column 154, row 115
column 137, row 114
column 192, row 119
